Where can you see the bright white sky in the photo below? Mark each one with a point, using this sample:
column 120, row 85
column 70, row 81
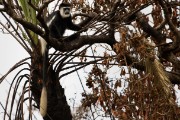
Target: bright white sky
column 11, row 52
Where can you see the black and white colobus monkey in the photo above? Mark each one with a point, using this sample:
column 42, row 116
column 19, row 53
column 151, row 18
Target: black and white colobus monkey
column 57, row 23
column 61, row 20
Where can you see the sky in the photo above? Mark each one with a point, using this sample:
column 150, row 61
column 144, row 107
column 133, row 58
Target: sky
column 11, row 52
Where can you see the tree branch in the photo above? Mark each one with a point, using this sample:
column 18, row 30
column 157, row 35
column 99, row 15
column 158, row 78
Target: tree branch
column 159, row 38
column 175, row 31
column 173, row 77
column 68, row 44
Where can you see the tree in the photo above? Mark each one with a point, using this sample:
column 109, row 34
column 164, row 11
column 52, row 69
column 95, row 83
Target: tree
column 146, row 53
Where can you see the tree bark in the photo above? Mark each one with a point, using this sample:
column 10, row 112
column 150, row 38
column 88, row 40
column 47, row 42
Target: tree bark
column 57, row 109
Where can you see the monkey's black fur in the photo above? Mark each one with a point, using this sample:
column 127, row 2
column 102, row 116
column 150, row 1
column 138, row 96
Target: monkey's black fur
column 57, row 22
column 58, row 25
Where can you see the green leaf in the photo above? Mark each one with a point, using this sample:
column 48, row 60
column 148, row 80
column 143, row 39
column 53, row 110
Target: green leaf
column 30, row 15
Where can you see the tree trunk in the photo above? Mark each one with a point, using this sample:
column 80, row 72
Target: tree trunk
column 57, row 108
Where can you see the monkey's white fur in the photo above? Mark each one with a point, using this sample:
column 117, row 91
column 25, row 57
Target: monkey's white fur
column 43, row 102
column 43, row 99
column 43, row 45
column 50, row 21
column 62, row 12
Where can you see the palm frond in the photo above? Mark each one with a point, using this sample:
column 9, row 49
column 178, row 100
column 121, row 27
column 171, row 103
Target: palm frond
column 30, row 15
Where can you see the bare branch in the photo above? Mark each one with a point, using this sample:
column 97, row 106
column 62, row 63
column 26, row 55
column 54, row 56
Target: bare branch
column 68, row 44
column 23, row 44
column 175, row 31
column 22, row 62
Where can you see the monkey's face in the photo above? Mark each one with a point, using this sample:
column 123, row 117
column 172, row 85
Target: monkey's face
column 65, row 12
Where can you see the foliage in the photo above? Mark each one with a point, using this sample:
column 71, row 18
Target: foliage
column 30, row 14
column 134, row 63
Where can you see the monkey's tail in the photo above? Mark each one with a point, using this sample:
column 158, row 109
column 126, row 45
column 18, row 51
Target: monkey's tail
column 43, row 46
column 43, row 99
column 43, row 102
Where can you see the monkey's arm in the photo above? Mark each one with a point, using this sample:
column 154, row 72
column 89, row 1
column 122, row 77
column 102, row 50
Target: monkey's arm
column 73, row 26
column 77, row 27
